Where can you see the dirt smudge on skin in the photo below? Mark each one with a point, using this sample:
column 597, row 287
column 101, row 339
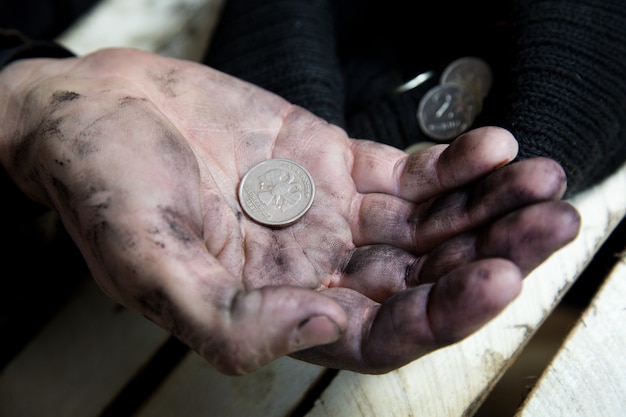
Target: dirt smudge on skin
column 176, row 225
column 60, row 97
column 277, row 255
column 166, row 81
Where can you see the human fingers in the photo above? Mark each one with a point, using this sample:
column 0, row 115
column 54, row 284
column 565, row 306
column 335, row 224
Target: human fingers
column 417, row 321
column 420, row 227
column 377, row 271
column 526, row 237
column 432, row 171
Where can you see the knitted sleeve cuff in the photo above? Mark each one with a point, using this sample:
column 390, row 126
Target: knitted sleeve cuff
column 569, row 93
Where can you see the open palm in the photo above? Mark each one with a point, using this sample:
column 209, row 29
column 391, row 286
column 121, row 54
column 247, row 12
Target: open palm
column 399, row 254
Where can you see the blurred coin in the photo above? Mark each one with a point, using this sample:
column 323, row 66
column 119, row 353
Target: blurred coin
column 415, row 82
column 276, row 192
column 419, row 146
column 446, row 111
column 471, row 72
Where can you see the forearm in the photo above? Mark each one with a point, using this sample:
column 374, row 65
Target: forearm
column 568, row 97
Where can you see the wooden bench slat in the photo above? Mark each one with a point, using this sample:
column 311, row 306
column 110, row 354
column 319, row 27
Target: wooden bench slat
column 196, row 389
column 175, row 28
column 587, row 378
column 77, row 364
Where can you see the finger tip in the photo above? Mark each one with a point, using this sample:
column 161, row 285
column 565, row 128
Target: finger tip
column 501, row 143
column 506, row 286
column 314, row 331
column 496, row 283
column 569, row 222
column 479, row 152
column 468, row 299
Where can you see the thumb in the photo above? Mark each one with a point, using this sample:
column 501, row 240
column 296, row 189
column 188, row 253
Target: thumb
column 270, row 322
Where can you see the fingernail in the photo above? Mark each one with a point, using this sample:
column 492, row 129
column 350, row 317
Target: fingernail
column 317, row 330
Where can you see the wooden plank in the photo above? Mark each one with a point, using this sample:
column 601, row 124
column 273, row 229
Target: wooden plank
column 587, row 378
column 453, row 381
column 77, row 364
column 175, row 28
column 196, row 389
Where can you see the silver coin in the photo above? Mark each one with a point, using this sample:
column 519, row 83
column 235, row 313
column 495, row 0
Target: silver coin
column 446, row 111
column 276, row 192
column 472, row 72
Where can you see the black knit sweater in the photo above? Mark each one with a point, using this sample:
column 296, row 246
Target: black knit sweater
column 559, row 84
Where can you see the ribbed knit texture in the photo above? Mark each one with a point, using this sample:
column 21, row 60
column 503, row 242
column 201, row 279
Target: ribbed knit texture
column 392, row 119
column 286, row 46
column 568, row 97
column 558, row 66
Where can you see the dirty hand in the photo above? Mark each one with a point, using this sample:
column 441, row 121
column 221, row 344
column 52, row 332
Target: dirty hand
column 141, row 156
